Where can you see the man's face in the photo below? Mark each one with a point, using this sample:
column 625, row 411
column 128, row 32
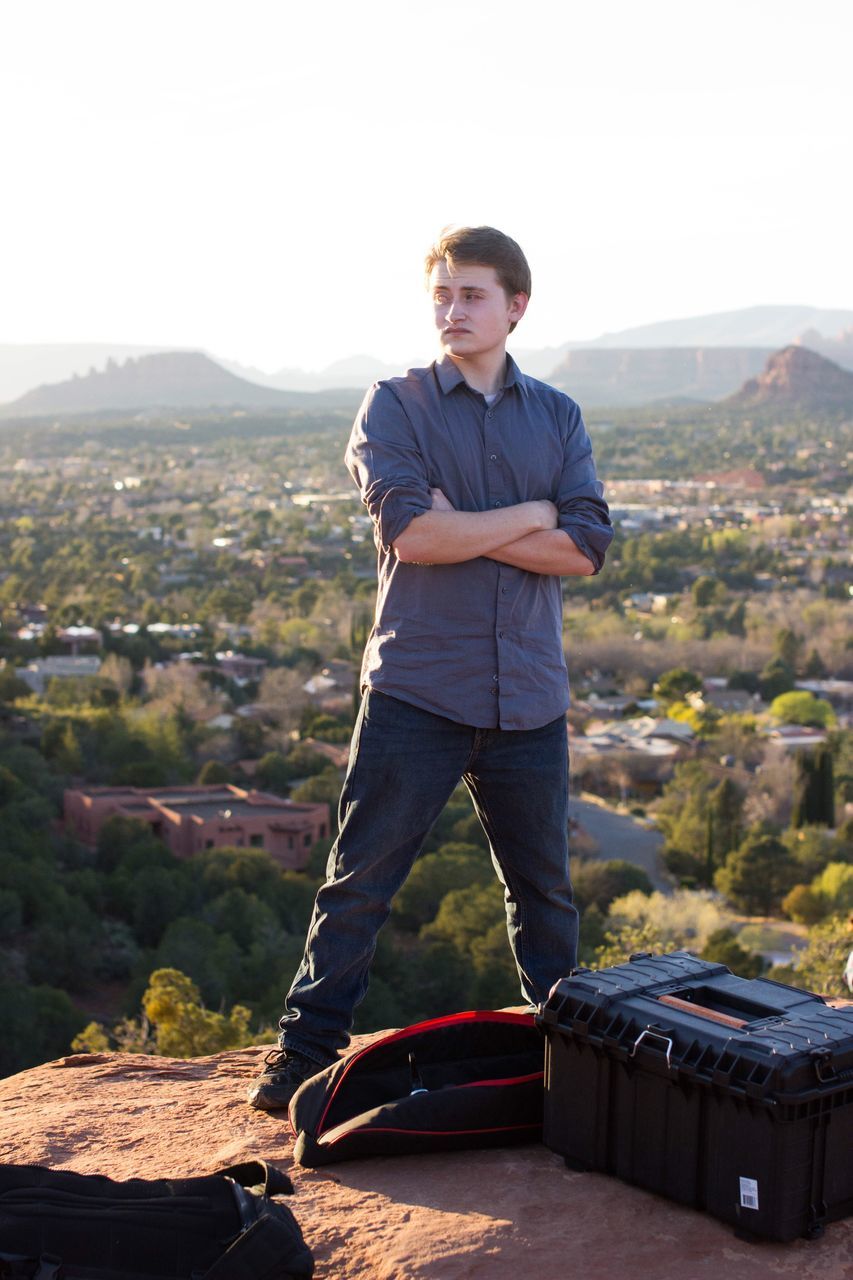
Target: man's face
column 472, row 312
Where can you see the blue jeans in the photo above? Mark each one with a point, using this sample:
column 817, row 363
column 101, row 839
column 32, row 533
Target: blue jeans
column 404, row 765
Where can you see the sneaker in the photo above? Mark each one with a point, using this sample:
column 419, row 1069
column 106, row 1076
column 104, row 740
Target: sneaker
column 283, row 1073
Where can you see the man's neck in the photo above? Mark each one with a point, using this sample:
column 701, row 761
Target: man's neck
column 483, row 373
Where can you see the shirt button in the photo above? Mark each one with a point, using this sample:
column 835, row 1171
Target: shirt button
column 493, row 457
column 500, row 635
column 490, row 414
column 494, row 692
column 504, row 591
column 499, row 503
column 495, row 678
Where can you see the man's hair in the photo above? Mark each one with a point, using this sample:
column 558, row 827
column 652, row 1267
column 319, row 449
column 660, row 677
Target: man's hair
column 488, row 247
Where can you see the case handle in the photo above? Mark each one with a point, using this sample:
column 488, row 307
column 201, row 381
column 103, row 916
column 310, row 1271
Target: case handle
column 654, row 1035
column 702, row 1011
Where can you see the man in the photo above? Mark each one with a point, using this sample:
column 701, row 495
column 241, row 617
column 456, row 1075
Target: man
column 483, row 494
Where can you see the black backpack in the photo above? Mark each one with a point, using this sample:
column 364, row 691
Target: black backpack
column 465, row 1080
column 56, row 1225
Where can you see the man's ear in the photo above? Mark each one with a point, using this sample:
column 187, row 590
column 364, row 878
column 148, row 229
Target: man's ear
column 518, row 306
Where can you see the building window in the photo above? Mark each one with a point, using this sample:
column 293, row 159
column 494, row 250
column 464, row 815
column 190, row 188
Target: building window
column 208, row 844
column 257, row 842
column 307, row 841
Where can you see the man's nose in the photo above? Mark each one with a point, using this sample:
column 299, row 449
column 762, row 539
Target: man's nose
column 456, row 309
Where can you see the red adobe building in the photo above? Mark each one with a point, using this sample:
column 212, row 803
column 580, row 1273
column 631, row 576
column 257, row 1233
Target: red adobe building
column 191, row 819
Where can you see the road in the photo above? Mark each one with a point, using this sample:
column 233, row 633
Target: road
column 620, row 836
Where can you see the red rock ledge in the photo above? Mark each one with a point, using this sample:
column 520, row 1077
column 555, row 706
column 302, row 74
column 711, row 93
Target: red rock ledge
column 492, row 1215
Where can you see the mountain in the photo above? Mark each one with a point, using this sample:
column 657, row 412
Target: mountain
column 597, row 376
column 27, row 365
column 167, row 379
column 839, row 349
column 766, row 326
column 797, row 378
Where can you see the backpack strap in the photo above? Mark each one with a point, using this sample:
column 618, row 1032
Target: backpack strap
column 257, row 1173
column 271, row 1249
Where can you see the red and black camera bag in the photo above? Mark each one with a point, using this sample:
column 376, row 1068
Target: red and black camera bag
column 466, row 1080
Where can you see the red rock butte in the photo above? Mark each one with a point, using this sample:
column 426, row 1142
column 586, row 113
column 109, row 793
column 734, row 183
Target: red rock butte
column 480, row 1215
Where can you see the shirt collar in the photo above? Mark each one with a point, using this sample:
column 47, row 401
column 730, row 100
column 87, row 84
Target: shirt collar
column 450, row 376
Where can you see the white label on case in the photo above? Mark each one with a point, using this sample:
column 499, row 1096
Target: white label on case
column 749, row 1193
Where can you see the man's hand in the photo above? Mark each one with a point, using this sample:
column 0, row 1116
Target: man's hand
column 440, row 502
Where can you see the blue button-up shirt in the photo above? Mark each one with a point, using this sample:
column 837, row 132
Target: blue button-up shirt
column 478, row 642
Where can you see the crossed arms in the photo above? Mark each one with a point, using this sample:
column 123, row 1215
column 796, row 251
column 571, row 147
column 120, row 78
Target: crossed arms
column 525, row 535
column 416, row 523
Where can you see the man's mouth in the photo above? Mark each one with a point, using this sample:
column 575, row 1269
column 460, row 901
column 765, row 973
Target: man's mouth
column 449, row 333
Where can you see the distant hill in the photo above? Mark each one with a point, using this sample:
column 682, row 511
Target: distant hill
column 168, row 379
column 765, row 326
column 797, row 378
column 839, row 349
column 27, row 365
column 597, row 376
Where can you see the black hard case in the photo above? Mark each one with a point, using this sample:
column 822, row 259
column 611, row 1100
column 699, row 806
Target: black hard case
column 743, row 1107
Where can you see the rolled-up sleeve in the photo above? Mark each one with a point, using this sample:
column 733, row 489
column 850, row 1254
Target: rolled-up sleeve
column 583, row 512
column 386, row 464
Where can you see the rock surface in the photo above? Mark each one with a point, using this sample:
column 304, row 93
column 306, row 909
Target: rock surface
column 492, row 1215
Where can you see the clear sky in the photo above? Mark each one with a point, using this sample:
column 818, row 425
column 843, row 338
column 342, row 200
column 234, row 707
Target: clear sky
column 261, row 178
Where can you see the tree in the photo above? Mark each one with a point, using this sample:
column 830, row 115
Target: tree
column 675, row 684
column 787, row 646
column 174, row 1023
column 118, row 671
column 723, row 948
column 820, row 967
column 685, row 918
column 704, row 591
column 466, row 915
column 814, row 797
column 12, row 686
column 757, row 875
column 183, row 1028
column 273, row 773
column 725, row 809
column 213, row 771
column 454, row 866
column 38, row 1024
column 69, row 757
column 597, row 883
column 304, row 761
column 325, row 788
column 212, row 960
column 815, row 667
column 798, row 706
column 11, row 788
column 624, row 940
column 683, row 818
column 835, row 886
column 812, row 847
column 803, row 905
column 776, row 677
